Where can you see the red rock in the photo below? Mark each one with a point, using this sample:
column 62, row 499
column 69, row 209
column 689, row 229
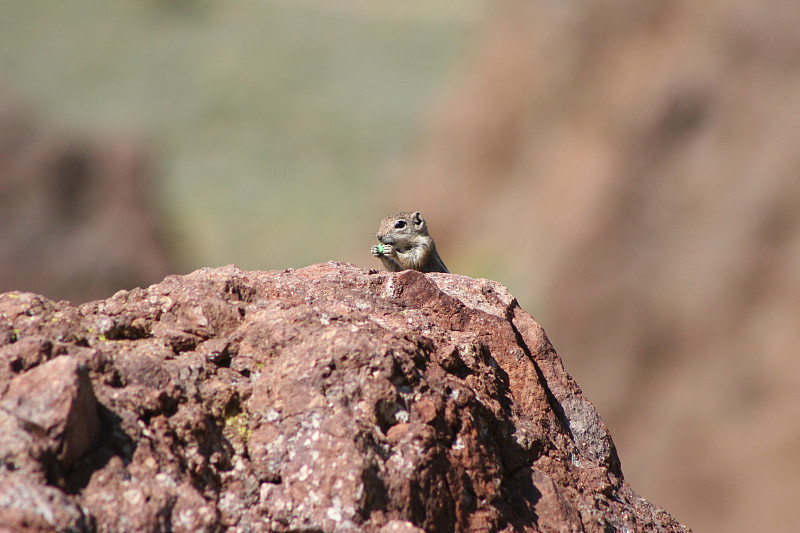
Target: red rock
column 28, row 506
column 330, row 398
column 54, row 401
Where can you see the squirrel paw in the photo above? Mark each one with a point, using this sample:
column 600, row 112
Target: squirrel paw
column 382, row 250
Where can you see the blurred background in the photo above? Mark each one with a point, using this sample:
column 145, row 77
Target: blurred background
column 631, row 170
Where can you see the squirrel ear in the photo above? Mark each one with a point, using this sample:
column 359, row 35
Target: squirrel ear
column 418, row 220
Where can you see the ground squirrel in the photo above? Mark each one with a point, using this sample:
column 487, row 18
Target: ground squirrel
column 405, row 244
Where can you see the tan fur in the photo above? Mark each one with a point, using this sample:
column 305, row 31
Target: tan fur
column 406, row 244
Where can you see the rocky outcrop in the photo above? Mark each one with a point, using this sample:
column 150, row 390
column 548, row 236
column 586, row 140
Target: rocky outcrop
column 328, row 398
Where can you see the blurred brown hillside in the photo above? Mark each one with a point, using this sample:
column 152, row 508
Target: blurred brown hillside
column 76, row 215
column 634, row 165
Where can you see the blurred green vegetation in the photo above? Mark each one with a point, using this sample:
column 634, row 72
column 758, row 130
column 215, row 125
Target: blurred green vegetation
column 271, row 124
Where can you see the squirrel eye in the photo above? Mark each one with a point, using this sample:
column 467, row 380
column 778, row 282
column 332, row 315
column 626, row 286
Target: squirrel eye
column 400, row 224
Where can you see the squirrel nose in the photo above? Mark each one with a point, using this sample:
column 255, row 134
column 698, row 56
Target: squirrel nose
column 385, row 239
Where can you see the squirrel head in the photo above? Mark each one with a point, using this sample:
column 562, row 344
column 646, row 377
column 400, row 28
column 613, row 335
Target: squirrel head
column 402, row 228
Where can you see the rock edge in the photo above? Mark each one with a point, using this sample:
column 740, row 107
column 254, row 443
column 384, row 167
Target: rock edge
column 327, row 398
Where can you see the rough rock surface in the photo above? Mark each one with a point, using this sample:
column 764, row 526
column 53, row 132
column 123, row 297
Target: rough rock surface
column 328, row 398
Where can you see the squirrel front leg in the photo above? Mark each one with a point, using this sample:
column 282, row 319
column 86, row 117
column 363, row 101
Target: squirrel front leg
column 383, row 250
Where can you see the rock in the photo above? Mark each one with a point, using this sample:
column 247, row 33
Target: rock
column 54, row 401
column 328, row 398
column 27, row 506
column 400, row 526
column 22, row 448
